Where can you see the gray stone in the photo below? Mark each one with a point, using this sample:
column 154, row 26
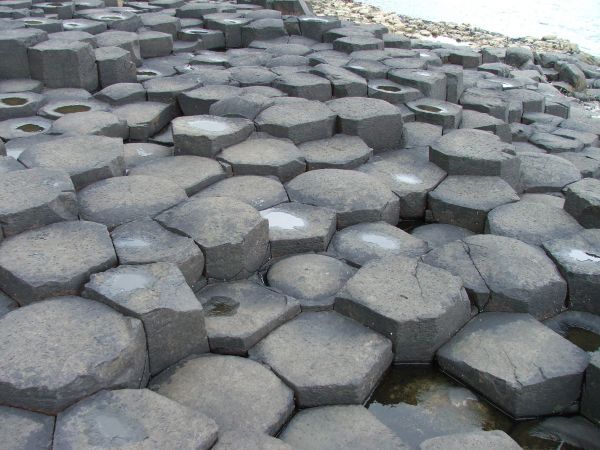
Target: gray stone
column 20, row 104
column 21, row 429
column 466, row 200
column 99, row 123
column 418, row 306
column 492, row 440
column 7, row 304
column 54, row 260
column 61, row 350
column 555, row 144
column 516, row 362
column 571, row 74
column 590, row 400
column 518, row 56
column 375, row 121
column 159, row 296
column 122, row 39
column 34, row 198
column 296, row 228
column 86, row 159
column 350, row 427
column 437, row 112
column 420, row 134
column 247, row 106
column 338, row 152
column 504, row 274
column 355, row 196
column 132, row 418
column 359, row 244
column 232, row 235
column 486, row 101
column 481, row 121
column 154, row 44
column 391, row 92
column 56, row 108
column 139, row 153
column 304, row 85
column 167, row 89
column 254, row 400
column 13, row 51
column 241, row 313
column 236, row 440
column 312, row 279
column 115, row 65
column 199, row 101
column 431, row 84
column 259, row 192
column 578, row 258
column 145, row 118
column 191, row 173
column 262, row 29
column 206, row 135
column 326, row 358
column 122, row 93
column 546, row 173
column 582, row 201
column 344, row 83
column 24, row 127
column 440, row 234
column 531, row 222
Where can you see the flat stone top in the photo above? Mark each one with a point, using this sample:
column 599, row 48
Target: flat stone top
column 296, row 113
column 517, row 348
column 588, row 189
column 475, row 191
column 404, row 288
column 359, row 108
column 261, row 151
column 577, row 253
column 208, row 125
column 489, row 440
column 476, row 144
column 60, row 45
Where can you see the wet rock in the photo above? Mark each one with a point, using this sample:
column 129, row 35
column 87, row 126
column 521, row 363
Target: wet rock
column 414, row 304
column 34, row 198
column 22, row 429
column 259, row 192
column 232, row 235
column 296, row 228
column 110, row 417
column 54, row 260
column 466, row 200
column 578, row 258
column 355, row 196
column 503, row 274
column 42, row 340
column 440, row 234
column 241, row 313
column 531, row 222
column 582, row 201
column 159, row 296
column 338, row 152
column 331, row 427
column 510, row 358
column 254, row 398
column 493, row 440
column 573, row 431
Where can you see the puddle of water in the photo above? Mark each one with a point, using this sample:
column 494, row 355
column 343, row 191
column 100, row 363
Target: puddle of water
column 127, row 282
column 584, row 339
column 213, row 126
column 30, row 128
column 380, row 240
column 419, row 402
column 581, row 255
column 407, row 178
column 220, row 306
column 429, row 108
column 70, row 109
column 282, row 220
column 14, row 101
column 132, row 242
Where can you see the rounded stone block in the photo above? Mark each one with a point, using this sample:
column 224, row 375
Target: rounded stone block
column 21, row 429
column 232, row 235
column 255, row 399
column 355, row 196
column 54, row 260
column 418, row 306
column 61, row 350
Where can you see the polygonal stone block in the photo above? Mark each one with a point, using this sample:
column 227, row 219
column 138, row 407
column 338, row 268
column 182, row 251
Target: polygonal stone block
column 121, row 94
column 305, row 85
column 124, row 40
column 231, row 28
column 437, row 112
column 20, row 104
column 375, row 121
column 14, row 62
column 145, row 119
column 504, row 274
column 10, row 164
column 481, row 121
column 25, row 429
column 241, row 313
column 582, row 201
column 317, row 353
column 34, row 198
column 154, row 44
column 114, row 66
column 516, row 362
column 123, row 199
column 233, row 440
column 262, row 30
column 418, row 306
column 259, row 192
column 440, row 234
column 114, row 416
column 296, row 228
column 99, row 123
column 255, row 400
column 159, row 296
column 343, row 82
column 338, row 152
column 355, row 196
column 42, row 341
column 86, row 159
column 139, row 152
column 492, row 440
column 486, row 101
column 24, row 127
column 546, row 173
column 590, row 400
column 531, row 222
column 207, row 135
column 232, row 235
column 47, row 62
column 391, row 92
column 420, row 134
column 198, row 101
column 431, row 84
column 54, row 260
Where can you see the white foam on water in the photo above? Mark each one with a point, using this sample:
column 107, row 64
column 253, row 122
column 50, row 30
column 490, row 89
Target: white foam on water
column 380, row 240
column 580, row 255
column 283, row 220
column 407, row 178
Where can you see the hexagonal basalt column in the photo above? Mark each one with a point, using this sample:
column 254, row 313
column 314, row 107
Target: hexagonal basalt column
column 207, row 135
column 114, row 416
column 14, row 62
column 233, row 235
column 504, row 274
column 20, row 104
column 582, row 201
column 241, row 313
column 437, row 112
column 255, row 399
column 338, row 152
column 466, row 200
column 145, row 119
column 48, row 60
column 40, row 342
column 375, row 121
column 305, row 85
column 326, row 358
column 519, row 364
column 355, row 196
column 115, row 65
column 54, row 260
column 34, row 198
column 416, row 305
column 159, row 296
column 431, row 84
